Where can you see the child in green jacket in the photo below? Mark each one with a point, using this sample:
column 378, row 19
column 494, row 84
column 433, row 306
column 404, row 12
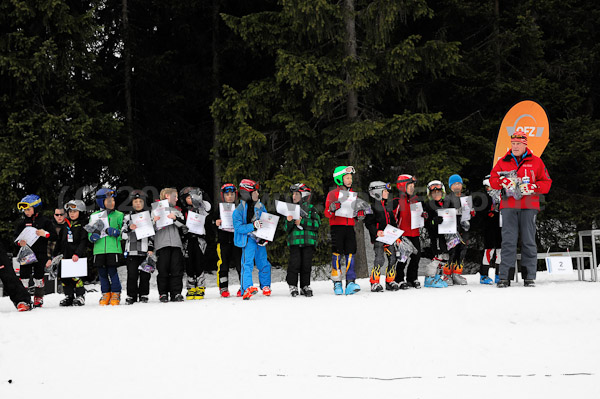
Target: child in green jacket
column 302, row 240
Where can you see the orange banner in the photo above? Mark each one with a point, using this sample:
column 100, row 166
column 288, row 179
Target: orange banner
column 529, row 117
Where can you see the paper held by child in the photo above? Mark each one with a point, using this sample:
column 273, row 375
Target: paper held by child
column 268, row 226
column 287, row 209
column 390, row 235
column 143, row 224
column 226, row 214
column 416, row 218
column 448, row 226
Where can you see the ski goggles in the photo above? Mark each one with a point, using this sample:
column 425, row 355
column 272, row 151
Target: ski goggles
column 519, row 137
column 228, row 189
column 70, row 206
column 345, row 171
column 435, row 187
column 386, row 186
column 26, row 205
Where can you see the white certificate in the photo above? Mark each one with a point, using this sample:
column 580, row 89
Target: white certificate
column 466, row 204
column 102, row 216
column 448, row 226
column 347, row 199
column 68, row 268
column 286, row 209
column 390, row 235
column 29, row 235
column 161, row 209
column 416, row 218
column 143, row 225
column 226, row 211
column 195, row 222
column 269, row 225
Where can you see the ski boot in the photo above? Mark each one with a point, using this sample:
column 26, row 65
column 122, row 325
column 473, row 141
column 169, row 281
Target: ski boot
column 485, row 280
column 306, row 291
column 105, row 300
column 79, row 301
column 414, row 284
column 164, row 298
column 68, row 301
column 224, row 293
column 115, row 299
column 293, row 291
column 337, row 288
column 446, row 270
column 352, row 287
column 376, row 287
column 250, row 291
column 23, row 306
column 191, row 293
column 266, row 291
column 503, row 284
column 403, row 286
column 130, row 301
column 457, row 277
column 392, row 286
column 177, row 298
column 529, row 283
column 239, row 293
column 143, row 299
column 38, row 301
column 497, row 279
column 200, row 291
column 434, row 282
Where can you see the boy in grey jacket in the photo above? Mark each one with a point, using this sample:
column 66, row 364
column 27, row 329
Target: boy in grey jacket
column 169, row 249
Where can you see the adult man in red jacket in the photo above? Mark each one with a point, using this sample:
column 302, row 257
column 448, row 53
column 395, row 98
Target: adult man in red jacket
column 519, row 210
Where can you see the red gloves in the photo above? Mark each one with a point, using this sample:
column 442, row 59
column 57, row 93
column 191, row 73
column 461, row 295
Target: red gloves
column 424, row 215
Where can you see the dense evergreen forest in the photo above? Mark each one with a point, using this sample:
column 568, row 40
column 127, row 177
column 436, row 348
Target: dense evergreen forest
column 200, row 92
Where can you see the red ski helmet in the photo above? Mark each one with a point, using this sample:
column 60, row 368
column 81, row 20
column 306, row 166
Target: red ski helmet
column 303, row 189
column 247, row 187
column 228, row 188
column 403, row 181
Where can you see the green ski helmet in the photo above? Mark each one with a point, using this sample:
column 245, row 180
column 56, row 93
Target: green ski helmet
column 340, row 172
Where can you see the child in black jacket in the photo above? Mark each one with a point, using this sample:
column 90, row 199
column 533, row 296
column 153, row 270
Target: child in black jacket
column 73, row 244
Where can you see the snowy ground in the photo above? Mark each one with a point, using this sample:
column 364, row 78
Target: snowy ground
column 458, row 342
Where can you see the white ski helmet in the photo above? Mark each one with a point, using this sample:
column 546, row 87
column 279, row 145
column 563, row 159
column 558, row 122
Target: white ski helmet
column 376, row 189
column 435, row 185
column 77, row 205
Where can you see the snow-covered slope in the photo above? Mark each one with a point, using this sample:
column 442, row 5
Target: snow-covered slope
column 459, row 342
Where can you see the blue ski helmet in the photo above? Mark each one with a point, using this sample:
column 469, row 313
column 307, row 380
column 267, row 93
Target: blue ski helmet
column 29, row 201
column 103, row 194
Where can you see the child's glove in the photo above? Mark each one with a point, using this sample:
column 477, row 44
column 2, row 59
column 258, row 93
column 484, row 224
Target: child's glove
column 257, row 224
column 465, row 225
column 491, row 214
column 360, row 215
column 111, row 231
column 472, row 213
column 261, row 242
column 438, row 219
column 507, row 183
column 424, row 215
column 527, row 189
column 334, row 206
column 94, row 237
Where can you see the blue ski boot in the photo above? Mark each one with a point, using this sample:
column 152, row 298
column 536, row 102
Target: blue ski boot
column 337, row 288
column 435, row 282
column 497, row 279
column 352, row 288
column 485, row 280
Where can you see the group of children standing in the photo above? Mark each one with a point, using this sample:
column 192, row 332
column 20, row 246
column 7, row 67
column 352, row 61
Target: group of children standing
column 173, row 248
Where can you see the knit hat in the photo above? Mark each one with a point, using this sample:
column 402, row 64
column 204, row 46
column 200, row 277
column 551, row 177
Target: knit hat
column 519, row 137
column 455, row 179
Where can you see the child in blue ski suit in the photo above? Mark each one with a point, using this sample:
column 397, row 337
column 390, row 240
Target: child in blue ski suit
column 245, row 221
